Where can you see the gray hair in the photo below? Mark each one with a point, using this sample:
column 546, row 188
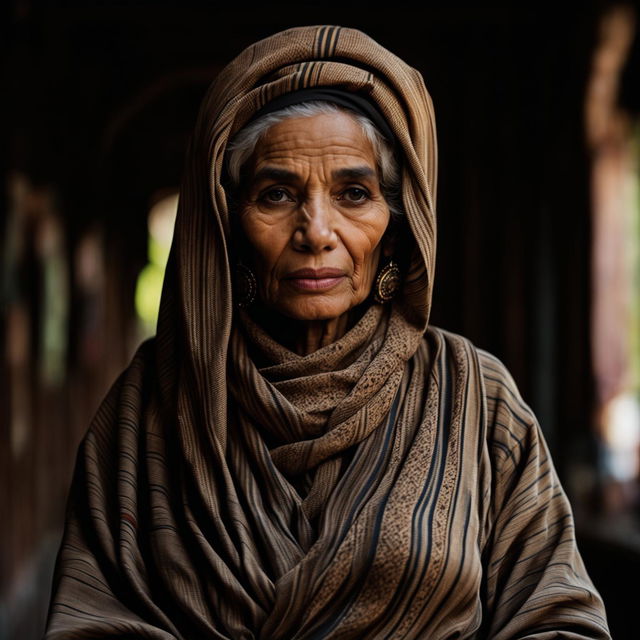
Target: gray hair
column 244, row 142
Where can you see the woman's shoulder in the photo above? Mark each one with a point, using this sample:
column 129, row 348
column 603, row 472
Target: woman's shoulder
column 127, row 395
column 495, row 375
column 503, row 402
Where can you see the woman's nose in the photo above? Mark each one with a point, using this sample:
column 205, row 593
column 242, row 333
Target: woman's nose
column 315, row 231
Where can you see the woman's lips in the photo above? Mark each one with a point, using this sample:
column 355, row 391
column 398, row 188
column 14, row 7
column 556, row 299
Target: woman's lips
column 315, row 279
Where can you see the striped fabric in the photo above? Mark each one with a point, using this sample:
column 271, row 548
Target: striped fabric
column 390, row 485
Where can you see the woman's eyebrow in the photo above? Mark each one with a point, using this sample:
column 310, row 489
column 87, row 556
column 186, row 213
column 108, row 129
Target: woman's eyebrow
column 274, row 173
column 353, row 173
column 278, row 174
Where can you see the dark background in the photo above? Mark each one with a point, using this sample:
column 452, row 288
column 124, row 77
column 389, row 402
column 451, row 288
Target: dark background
column 98, row 102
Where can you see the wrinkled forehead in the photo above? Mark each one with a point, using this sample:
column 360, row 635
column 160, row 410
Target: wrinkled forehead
column 328, row 141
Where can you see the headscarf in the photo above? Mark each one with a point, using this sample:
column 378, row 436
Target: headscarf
column 229, row 488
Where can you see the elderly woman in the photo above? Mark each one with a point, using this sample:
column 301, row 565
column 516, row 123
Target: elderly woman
column 298, row 454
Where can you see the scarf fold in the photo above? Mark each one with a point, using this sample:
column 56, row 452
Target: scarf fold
column 317, row 407
column 228, row 488
column 329, row 400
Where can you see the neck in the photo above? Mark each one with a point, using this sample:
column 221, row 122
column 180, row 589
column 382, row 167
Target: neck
column 305, row 337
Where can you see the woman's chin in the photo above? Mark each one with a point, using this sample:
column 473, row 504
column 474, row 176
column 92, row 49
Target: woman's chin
column 315, row 308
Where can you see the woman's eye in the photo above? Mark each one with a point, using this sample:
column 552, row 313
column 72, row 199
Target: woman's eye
column 276, row 196
column 355, row 194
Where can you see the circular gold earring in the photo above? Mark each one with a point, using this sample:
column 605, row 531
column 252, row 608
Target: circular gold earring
column 246, row 285
column 387, row 283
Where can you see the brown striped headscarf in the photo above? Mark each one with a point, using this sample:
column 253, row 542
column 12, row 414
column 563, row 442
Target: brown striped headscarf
column 392, row 484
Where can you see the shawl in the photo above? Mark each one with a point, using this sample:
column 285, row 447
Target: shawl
column 392, row 484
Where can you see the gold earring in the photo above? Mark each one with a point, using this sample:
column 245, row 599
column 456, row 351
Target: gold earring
column 387, row 283
column 246, row 285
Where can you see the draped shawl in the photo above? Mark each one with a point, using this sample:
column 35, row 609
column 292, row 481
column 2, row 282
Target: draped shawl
column 392, row 484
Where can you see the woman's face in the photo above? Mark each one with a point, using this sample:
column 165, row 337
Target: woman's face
column 314, row 216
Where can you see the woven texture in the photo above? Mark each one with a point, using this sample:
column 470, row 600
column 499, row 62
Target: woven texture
column 392, row 484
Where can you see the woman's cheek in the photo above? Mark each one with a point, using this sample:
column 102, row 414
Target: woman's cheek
column 264, row 240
